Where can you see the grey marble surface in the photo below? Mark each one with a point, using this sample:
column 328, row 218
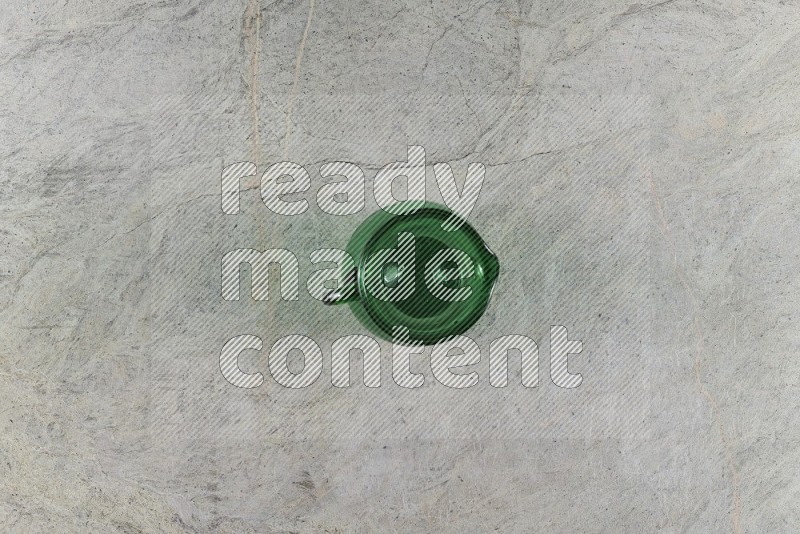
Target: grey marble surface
column 641, row 189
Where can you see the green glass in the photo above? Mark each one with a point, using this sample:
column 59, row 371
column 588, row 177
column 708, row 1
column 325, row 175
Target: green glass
column 428, row 318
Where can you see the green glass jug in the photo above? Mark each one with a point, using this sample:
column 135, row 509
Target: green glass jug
column 420, row 267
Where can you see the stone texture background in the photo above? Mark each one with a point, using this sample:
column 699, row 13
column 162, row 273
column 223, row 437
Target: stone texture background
column 642, row 189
